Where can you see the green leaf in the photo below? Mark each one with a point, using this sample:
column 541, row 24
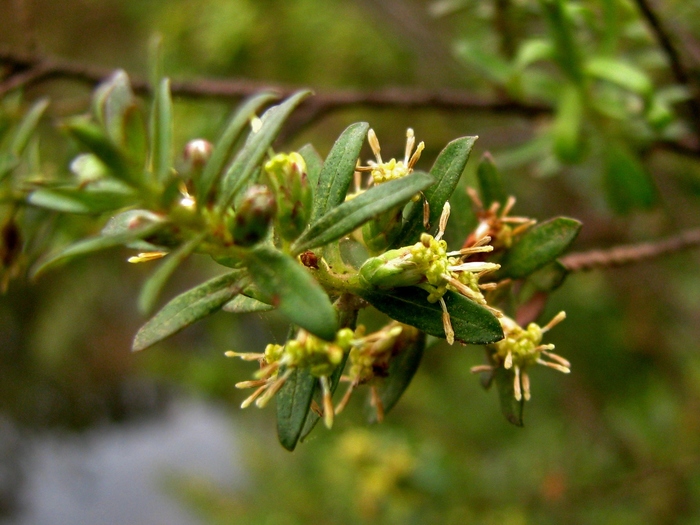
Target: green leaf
column 162, row 132
column 314, row 164
column 350, row 215
column 622, row 74
column 627, row 184
column 533, row 50
column 402, row 368
column 242, row 304
column 79, row 200
column 490, row 183
column 447, row 170
column 111, row 101
column 512, row 409
column 188, row 308
column 472, row 324
column 566, row 50
column 538, row 247
column 135, row 137
column 286, row 284
column 153, row 286
column 224, row 146
column 96, row 244
column 293, row 402
column 93, row 138
column 337, row 172
column 488, row 62
column 566, row 130
column 27, row 127
column 549, row 277
column 248, row 160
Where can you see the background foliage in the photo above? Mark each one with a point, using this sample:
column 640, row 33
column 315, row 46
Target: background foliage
column 616, row 441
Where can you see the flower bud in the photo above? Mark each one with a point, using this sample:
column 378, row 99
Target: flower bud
column 252, row 220
column 196, row 154
column 392, row 269
column 287, row 175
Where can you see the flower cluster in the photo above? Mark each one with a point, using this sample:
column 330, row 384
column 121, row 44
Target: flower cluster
column 522, row 348
column 381, row 171
column 428, row 265
column 305, row 351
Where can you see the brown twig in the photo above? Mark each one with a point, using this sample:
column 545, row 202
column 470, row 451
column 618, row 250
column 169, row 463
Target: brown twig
column 633, row 253
column 32, row 69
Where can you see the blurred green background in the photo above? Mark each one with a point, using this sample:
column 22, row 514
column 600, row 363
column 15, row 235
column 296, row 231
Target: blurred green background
column 617, row 441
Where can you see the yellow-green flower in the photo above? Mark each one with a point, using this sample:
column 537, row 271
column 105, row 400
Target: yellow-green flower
column 521, row 348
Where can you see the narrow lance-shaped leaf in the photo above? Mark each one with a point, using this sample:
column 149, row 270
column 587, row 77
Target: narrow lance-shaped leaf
column 188, row 308
column 511, row 408
column 314, row 164
column 566, row 130
column 447, row 170
column 402, row 368
column 251, row 155
column 242, row 304
column 224, row 146
column 162, row 131
column 472, row 324
column 338, row 170
column 566, row 50
column 490, row 183
column 93, row 138
column 77, row 200
column 538, row 247
column 96, row 244
column 345, row 218
column 286, row 284
column 28, row 126
column 153, row 286
column 293, row 402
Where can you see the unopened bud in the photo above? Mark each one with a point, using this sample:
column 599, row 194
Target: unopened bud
column 252, row 220
column 287, row 175
column 196, row 154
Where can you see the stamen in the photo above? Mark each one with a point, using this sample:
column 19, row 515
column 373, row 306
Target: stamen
column 508, row 362
column 146, row 256
column 516, row 384
column 328, row 411
column 247, row 402
column 464, row 289
column 509, row 206
column 526, row 385
column 346, row 397
column 560, row 368
column 374, row 144
column 410, row 142
column 481, row 368
column 447, row 323
column 377, row 404
column 474, row 196
column 272, row 390
column 559, row 359
column 251, row 384
column 246, row 356
column 523, row 227
column 444, row 217
column 555, row 321
column 416, row 156
column 426, row 213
